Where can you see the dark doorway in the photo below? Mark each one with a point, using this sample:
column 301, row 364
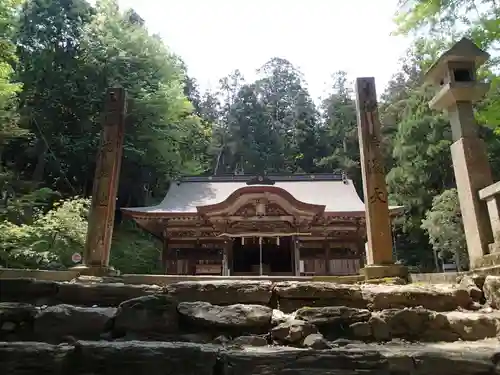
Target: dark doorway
column 276, row 256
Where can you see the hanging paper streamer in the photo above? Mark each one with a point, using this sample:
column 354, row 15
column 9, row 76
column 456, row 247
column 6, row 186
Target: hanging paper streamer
column 277, row 241
column 242, row 241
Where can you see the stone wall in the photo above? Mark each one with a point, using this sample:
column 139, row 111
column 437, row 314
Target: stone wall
column 247, row 327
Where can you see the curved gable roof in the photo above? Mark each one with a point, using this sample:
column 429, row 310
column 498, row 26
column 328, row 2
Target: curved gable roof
column 337, row 195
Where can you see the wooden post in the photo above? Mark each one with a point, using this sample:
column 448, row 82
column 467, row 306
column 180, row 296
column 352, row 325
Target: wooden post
column 164, row 255
column 107, row 174
column 326, row 247
column 378, row 222
column 296, row 255
column 225, row 260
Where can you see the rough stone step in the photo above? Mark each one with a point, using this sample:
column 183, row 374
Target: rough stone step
column 159, row 317
column 288, row 296
column 155, row 358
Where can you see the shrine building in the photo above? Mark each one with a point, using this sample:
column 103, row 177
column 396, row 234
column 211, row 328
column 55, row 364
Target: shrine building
column 239, row 225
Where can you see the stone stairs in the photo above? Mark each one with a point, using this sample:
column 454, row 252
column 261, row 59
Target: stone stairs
column 94, row 326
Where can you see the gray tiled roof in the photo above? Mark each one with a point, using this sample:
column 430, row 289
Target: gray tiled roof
column 336, row 195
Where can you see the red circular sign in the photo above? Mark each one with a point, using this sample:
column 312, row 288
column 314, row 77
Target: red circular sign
column 76, row 258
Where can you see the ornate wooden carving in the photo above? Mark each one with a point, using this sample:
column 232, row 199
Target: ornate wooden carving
column 255, row 226
column 274, row 209
column 246, row 210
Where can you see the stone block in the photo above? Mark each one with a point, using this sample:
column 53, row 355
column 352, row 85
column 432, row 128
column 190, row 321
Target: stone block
column 383, row 271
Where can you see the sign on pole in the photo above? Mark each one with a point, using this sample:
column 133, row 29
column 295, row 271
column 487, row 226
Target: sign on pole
column 76, row 258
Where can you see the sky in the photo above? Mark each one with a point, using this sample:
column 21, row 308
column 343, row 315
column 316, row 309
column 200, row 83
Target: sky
column 320, row 37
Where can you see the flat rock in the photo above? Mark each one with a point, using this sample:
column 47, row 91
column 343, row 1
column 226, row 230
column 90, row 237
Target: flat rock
column 373, row 296
column 361, row 359
column 346, row 294
column 238, row 316
column 222, row 292
column 54, row 323
column 107, row 358
column 438, row 297
column 102, row 294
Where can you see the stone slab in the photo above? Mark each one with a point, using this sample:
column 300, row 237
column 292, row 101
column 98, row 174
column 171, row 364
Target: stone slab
column 154, row 358
column 383, row 271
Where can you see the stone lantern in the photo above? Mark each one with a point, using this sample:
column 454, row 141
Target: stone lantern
column 454, row 75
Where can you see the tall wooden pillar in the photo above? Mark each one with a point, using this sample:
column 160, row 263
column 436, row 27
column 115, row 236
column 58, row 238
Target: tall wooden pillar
column 107, row 175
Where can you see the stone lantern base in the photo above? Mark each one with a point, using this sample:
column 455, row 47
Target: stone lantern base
column 383, row 271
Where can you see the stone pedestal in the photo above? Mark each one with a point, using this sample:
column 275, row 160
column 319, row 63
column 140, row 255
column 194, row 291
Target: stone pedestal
column 472, row 173
column 381, row 272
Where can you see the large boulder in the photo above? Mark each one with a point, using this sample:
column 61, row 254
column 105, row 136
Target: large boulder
column 469, row 284
column 222, row 292
column 293, row 332
column 332, row 321
column 491, row 290
column 56, row 323
column 471, row 326
column 149, row 317
column 238, row 317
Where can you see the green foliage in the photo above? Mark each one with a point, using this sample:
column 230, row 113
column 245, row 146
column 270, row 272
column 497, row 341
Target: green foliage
column 135, row 251
column 50, row 241
column 443, row 224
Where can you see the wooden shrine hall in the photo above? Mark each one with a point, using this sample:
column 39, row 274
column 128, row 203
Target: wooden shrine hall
column 259, row 225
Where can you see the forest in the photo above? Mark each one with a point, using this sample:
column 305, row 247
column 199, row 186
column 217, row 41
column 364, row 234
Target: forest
column 58, row 57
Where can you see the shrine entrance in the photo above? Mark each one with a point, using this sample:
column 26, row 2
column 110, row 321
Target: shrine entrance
column 263, row 256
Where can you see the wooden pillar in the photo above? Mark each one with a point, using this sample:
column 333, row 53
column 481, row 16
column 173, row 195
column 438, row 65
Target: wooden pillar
column 107, row 174
column 164, row 256
column 326, row 247
column 378, row 223
column 296, row 255
column 225, row 259
column 229, row 250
